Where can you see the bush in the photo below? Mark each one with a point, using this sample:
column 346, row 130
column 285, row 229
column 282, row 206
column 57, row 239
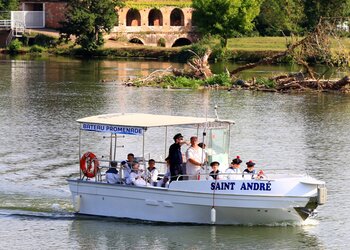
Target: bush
column 181, row 82
column 199, row 48
column 45, row 41
column 25, row 39
column 222, row 79
column 265, row 82
column 36, row 49
column 14, row 47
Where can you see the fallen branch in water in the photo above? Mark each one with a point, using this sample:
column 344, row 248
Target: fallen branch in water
column 296, row 82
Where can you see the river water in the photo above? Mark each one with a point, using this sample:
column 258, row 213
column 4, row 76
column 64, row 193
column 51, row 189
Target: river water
column 40, row 101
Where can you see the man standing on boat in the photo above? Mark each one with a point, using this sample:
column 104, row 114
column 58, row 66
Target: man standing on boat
column 175, row 157
column 195, row 159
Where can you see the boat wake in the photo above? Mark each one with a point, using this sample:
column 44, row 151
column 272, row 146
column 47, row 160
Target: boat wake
column 37, row 215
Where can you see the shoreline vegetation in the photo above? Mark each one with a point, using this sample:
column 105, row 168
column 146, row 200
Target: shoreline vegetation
column 249, row 50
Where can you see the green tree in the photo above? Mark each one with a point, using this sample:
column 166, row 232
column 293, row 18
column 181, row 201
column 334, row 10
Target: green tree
column 6, row 6
column 279, row 17
column 315, row 9
column 225, row 18
column 87, row 20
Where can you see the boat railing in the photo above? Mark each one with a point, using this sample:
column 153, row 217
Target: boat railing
column 162, row 167
column 240, row 176
column 220, row 176
column 105, row 164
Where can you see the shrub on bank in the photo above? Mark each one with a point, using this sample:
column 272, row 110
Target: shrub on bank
column 45, row 41
column 266, row 82
column 175, row 82
column 199, row 48
column 36, row 49
column 222, row 79
column 15, row 47
column 180, row 82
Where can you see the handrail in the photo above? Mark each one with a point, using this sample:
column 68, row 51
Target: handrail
column 5, row 23
column 9, row 37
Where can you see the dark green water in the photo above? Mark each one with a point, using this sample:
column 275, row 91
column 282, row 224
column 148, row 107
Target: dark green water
column 41, row 99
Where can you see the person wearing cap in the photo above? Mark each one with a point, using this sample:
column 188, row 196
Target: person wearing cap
column 234, row 169
column 175, row 157
column 215, row 173
column 152, row 172
column 196, row 157
column 250, row 168
column 135, row 177
column 112, row 175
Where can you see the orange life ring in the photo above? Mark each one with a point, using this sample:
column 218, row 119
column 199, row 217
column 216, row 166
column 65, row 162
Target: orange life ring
column 89, row 164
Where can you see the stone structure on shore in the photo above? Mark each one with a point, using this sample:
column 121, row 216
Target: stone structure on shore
column 163, row 23
column 167, row 26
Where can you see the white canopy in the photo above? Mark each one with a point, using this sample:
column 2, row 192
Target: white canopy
column 148, row 120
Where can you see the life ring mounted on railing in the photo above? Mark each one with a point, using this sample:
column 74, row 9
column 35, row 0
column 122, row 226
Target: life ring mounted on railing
column 89, row 164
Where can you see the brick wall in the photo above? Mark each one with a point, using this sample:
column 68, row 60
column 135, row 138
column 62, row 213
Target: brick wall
column 54, row 13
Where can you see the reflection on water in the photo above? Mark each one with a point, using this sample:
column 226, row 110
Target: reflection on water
column 40, row 101
column 111, row 234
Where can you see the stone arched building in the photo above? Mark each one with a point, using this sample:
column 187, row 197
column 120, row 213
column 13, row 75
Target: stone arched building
column 166, row 26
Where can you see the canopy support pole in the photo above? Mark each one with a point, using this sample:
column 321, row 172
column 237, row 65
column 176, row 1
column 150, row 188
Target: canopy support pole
column 79, row 150
column 165, row 142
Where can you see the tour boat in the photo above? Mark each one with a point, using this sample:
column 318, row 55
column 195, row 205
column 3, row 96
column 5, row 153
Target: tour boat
column 244, row 199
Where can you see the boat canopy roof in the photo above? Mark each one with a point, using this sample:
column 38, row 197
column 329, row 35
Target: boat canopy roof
column 148, row 120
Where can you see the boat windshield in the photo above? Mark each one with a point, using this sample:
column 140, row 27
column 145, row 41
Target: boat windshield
column 218, row 146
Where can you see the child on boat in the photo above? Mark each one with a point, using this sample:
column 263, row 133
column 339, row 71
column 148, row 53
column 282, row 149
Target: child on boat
column 136, row 176
column 234, row 169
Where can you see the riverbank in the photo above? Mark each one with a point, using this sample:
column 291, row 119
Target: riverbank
column 239, row 49
column 247, row 49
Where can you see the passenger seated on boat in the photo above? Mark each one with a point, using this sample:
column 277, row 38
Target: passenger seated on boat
column 112, row 175
column 136, row 176
column 260, row 175
column 234, row 169
column 214, row 175
column 164, row 182
column 126, row 165
column 152, row 172
column 250, row 169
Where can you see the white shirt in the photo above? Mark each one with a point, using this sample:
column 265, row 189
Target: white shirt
column 233, row 173
column 112, row 178
column 135, row 178
column 195, row 154
column 153, row 175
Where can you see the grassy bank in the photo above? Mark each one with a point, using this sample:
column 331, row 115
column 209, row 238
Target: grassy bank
column 258, row 44
column 248, row 49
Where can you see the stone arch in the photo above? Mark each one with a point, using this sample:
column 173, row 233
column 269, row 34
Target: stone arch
column 133, row 18
column 177, row 17
column 155, row 18
column 181, row 42
column 136, row 40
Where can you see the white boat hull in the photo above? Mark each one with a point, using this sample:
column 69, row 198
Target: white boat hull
column 192, row 201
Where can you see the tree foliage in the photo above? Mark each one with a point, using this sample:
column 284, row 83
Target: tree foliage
column 87, row 20
column 6, row 6
column 315, row 9
column 226, row 18
column 281, row 17
column 297, row 16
